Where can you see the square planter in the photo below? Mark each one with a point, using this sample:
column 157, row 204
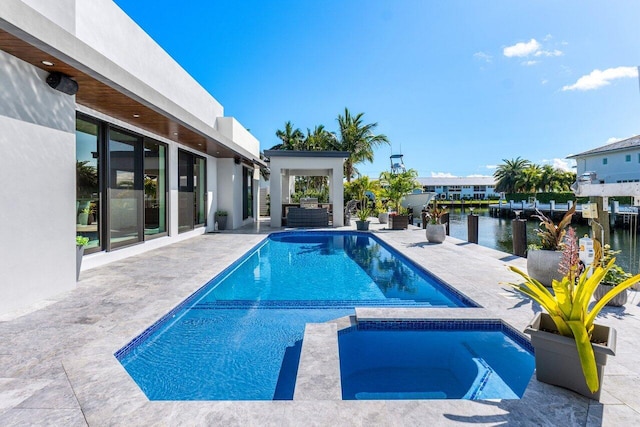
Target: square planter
column 398, row 222
column 557, row 360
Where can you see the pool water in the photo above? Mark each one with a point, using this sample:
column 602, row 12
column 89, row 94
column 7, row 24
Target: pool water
column 239, row 337
column 479, row 360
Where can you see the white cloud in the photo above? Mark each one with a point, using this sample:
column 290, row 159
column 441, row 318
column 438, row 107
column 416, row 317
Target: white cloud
column 547, row 38
column 544, row 81
column 554, row 52
column 478, row 176
column 442, row 175
column 483, row 56
column 491, row 166
column 598, row 78
column 521, row 49
column 529, row 63
column 563, row 164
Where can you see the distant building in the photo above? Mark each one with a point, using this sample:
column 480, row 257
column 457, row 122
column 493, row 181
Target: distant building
column 618, row 162
column 461, row 188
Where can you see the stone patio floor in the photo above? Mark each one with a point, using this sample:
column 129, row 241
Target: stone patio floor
column 57, row 366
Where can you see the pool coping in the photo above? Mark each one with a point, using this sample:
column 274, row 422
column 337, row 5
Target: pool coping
column 84, row 384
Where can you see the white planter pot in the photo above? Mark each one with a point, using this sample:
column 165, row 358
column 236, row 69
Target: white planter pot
column 383, row 217
column 543, row 266
column 617, row 301
column 436, row 233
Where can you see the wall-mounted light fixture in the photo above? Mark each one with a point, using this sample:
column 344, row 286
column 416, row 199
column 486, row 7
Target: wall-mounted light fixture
column 63, row 83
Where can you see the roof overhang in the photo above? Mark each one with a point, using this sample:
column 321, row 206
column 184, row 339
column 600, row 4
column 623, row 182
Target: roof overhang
column 107, row 88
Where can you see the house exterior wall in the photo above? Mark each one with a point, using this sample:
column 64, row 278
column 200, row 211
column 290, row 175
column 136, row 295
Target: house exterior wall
column 613, row 166
column 37, row 169
column 38, row 139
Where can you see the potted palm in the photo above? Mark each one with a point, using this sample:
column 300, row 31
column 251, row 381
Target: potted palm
column 394, row 187
column 543, row 259
column 570, row 349
column 362, row 224
column 436, row 231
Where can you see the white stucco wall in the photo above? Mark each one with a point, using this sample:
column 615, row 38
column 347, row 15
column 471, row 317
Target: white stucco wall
column 62, row 12
column 228, row 193
column 37, row 172
column 233, row 129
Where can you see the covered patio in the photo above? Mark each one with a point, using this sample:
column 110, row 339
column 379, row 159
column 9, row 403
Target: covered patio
column 285, row 166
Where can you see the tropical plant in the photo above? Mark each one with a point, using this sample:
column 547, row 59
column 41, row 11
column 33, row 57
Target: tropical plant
column 529, row 179
column 551, row 234
column 435, row 213
column 291, row 138
column 568, row 307
column 616, row 274
column 82, row 241
column 319, row 139
column 395, row 186
column 358, row 139
column 221, row 213
column 507, row 174
column 363, row 214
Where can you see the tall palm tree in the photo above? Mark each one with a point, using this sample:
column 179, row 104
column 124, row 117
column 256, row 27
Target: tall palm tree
column 507, row 174
column 318, row 140
column 358, row 139
column 529, row 179
column 549, row 181
column 291, row 138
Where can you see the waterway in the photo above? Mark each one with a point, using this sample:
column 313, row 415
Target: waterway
column 496, row 233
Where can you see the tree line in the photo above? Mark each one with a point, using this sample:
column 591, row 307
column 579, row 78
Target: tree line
column 522, row 176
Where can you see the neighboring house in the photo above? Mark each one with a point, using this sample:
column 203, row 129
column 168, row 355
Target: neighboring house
column 461, row 188
column 135, row 156
column 618, row 162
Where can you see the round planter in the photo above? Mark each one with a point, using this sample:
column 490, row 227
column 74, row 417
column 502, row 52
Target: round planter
column 543, row 266
column 383, row 217
column 362, row 225
column 436, row 233
column 617, row 301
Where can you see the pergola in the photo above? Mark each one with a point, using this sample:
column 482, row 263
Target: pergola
column 285, row 165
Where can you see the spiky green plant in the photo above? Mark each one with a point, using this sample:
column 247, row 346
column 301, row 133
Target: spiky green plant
column 568, row 306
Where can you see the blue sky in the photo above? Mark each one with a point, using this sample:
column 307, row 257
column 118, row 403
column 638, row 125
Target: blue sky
column 457, row 86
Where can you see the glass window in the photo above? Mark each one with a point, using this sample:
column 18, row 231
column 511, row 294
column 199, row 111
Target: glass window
column 604, row 161
column 155, row 189
column 192, row 191
column 247, row 193
column 627, row 158
column 125, row 188
column 88, row 183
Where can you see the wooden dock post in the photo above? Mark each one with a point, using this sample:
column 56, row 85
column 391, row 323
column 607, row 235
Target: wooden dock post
column 519, row 235
column 472, row 228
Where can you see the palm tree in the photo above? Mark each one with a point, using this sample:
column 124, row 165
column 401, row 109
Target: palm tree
column 318, row 140
column 358, row 139
column 507, row 174
column 291, row 138
column 549, row 181
column 529, row 179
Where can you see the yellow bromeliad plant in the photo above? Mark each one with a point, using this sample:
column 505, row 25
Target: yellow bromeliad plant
column 568, row 306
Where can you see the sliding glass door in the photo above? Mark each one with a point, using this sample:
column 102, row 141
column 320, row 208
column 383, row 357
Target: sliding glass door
column 125, row 189
column 192, row 191
column 88, row 213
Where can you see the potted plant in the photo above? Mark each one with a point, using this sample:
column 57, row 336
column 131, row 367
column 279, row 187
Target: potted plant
column 83, row 216
column 81, row 242
column 221, row 219
column 543, row 259
column 436, row 231
column 362, row 224
column 570, row 349
column 394, row 187
column 613, row 278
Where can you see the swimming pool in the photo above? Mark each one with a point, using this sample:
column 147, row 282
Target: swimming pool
column 239, row 336
column 434, row 359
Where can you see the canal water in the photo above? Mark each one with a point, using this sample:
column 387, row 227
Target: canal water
column 496, row 233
